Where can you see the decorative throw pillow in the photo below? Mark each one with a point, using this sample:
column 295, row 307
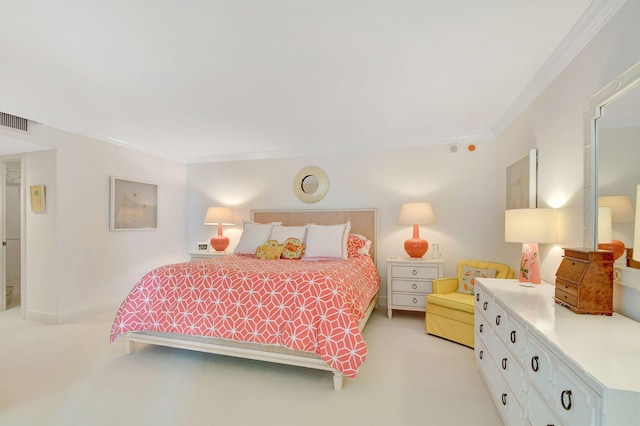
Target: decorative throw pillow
column 292, row 248
column 269, row 250
column 327, row 241
column 469, row 275
column 253, row 234
column 281, row 232
column 358, row 245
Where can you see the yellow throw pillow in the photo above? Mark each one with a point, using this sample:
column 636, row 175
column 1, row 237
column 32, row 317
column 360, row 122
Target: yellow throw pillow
column 469, row 275
column 269, row 250
column 292, row 249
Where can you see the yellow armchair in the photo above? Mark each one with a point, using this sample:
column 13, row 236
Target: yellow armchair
column 449, row 313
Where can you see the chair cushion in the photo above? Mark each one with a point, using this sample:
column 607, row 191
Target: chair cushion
column 458, row 301
column 467, row 281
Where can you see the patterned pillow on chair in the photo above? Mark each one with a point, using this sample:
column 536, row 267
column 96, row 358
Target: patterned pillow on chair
column 469, row 275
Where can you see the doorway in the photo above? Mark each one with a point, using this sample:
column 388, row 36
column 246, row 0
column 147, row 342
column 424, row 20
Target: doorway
column 10, row 223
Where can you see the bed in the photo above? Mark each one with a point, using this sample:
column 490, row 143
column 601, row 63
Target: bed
column 296, row 312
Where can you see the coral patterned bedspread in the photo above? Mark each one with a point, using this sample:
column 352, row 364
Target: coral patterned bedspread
column 306, row 306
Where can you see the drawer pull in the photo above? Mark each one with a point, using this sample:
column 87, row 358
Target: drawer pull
column 504, row 363
column 481, row 327
column 497, row 319
column 504, row 399
column 414, row 286
column 414, row 300
column 484, row 306
column 481, row 354
column 414, row 272
column 534, row 363
column 566, row 393
column 513, row 336
column 478, row 297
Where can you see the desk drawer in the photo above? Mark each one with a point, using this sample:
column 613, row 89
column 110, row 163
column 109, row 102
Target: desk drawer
column 568, row 298
column 567, row 287
column 571, row 270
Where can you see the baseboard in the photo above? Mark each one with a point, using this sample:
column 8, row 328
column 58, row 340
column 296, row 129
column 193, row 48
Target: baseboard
column 73, row 315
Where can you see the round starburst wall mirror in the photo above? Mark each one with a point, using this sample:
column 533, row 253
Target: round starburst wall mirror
column 311, row 184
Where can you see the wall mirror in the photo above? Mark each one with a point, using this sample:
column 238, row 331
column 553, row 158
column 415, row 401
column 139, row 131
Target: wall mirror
column 311, row 184
column 611, row 150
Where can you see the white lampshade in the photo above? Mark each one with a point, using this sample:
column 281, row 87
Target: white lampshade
column 621, row 210
column 530, row 226
column 636, row 233
column 219, row 215
column 605, row 233
column 416, row 214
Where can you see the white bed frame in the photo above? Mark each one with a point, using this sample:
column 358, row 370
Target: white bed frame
column 363, row 221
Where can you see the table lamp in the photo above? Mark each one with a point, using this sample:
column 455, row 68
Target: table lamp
column 612, row 209
column 636, row 231
column 219, row 216
column 416, row 214
column 530, row 227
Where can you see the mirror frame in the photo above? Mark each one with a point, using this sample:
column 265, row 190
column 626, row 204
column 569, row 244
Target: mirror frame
column 617, row 88
column 320, row 192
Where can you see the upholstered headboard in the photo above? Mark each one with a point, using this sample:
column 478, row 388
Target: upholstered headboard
column 363, row 221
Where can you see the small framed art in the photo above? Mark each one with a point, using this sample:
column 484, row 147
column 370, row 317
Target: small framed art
column 134, row 205
column 203, row 246
column 38, row 200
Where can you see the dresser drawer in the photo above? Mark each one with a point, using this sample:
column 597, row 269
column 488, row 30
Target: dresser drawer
column 508, row 365
column 409, row 300
column 419, row 272
column 506, row 403
column 539, row 367
column 567, row 288
column 568, row 298
column 411, row 286
column 539, row 412
column 571, row 270
column 575, row 401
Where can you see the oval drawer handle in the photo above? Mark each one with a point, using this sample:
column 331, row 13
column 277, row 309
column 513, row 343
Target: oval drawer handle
column 566, row 393
column 414, row 286
column 534, row 363
column 414, row 272
column 513, row 336
column 415, row 300
column 504, row 363
column 484, row 306
column 481, row 327
column 504, row 399
column 481, row 354
column 478, row 297
column 498, row 319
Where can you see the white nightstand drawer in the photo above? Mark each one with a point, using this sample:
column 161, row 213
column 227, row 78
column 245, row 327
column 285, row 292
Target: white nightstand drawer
column 410, row 286
column 409, row 300
column 420, row 272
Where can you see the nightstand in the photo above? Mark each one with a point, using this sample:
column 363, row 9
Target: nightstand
column 409, row 280
column 199, row 255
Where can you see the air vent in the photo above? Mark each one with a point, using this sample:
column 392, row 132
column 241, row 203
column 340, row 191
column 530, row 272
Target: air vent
column 14, row 122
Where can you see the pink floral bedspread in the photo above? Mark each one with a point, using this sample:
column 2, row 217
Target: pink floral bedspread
column 306, row 306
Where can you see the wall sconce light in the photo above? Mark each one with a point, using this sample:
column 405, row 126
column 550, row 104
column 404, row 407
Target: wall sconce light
column 530, row 227
column 416, row 214
column 219, row 216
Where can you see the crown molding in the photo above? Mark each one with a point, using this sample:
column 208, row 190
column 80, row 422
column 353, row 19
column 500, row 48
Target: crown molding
column 590, row 23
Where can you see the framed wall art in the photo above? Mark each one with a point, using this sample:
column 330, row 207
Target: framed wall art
column 521, row 182
column 38, row 200
column 134, row 205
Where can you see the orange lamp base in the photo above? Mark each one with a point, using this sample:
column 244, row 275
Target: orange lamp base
column 616, row 246
column 416, row 247
column 219, row 242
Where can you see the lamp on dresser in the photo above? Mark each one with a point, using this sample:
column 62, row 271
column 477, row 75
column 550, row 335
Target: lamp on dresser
column 416, row 214
column 530, row 227
column 612, row 209
column 634, row 258
column 219, row 216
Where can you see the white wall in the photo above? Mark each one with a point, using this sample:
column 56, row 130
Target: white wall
column 554, row 125
column 74, row 264
column 460, row 186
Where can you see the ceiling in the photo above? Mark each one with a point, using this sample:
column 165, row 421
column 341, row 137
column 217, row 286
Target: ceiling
column 239, row 79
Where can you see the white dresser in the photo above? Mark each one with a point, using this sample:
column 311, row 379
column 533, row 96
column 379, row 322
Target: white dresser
column 545, row 365
column 409, row 280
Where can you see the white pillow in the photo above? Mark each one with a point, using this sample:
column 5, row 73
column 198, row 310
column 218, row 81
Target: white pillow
column 280, row 232
column 253, row 236
column 326, row 241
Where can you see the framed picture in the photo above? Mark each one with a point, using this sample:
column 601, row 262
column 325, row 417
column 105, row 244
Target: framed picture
column 134, row 205
column 521, row 182
column 38, row 201
column 203, row 246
